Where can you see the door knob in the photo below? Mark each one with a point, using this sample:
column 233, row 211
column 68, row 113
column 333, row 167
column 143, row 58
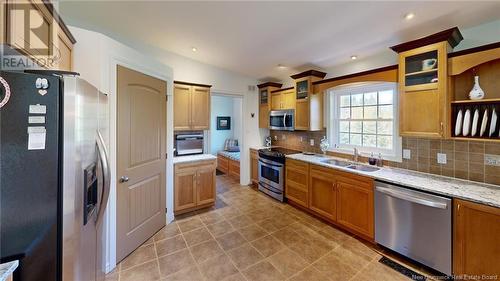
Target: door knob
column 124, row 179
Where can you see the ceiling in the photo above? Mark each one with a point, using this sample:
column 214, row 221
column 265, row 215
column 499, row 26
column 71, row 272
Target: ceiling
column 252, row 38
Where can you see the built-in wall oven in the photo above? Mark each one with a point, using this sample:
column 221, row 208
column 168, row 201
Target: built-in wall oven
column 283, row 120
column 188, row 144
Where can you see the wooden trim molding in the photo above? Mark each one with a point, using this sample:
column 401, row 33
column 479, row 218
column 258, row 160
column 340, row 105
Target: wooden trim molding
column 281, row 90
column 59, row 20
column 452, row 35
column 367, row 72
column 312, row 72
column 474, row 50
column 192, row 84
column 383, row 74
column 270, row 84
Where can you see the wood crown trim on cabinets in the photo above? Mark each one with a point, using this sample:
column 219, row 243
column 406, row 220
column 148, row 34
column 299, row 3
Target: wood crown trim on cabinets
column 192, row 84
column 452, row 36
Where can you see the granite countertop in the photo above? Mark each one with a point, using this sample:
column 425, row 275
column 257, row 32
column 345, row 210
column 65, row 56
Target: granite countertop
column 193, row 158
column 472, row 191
column 7, row 268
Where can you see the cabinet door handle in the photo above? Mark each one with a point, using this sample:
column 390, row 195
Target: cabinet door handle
column 442, row 128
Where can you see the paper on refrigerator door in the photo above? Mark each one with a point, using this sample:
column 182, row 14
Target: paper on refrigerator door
column 36, row 138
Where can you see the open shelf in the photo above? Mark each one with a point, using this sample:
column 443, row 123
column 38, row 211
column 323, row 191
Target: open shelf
column 422, row 72
column 494, row 100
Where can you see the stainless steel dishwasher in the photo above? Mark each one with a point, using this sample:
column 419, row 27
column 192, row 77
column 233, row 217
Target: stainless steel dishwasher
column 415, row 224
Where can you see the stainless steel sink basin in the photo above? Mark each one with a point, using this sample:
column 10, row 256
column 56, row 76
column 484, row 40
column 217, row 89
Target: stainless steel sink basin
column 363, row 168
column 336, row 162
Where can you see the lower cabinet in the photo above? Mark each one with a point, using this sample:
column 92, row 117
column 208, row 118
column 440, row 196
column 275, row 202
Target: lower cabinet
column 342, row 198
column 322, row 192
column 254, row 166
column 297, row 182
column 194, row 185
column 476, row 246
column 355, row 208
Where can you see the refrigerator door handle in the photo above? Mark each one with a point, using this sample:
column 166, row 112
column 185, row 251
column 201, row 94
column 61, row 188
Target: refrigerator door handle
column 103, row 158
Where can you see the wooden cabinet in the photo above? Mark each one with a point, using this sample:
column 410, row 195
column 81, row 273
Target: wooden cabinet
column 297, row 182
column 322, row 192
column 265, row 102
column 423, row 93
column 476, row 246
column 191, row 106
column 355, row 208
column 341, row 198
column 423, row 84
column 50, row 43
column 308, row 103
column 254, row 166
column 283, row 99
column 194, row 185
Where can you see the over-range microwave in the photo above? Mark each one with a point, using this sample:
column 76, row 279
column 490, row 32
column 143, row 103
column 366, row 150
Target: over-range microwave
column 283, row 120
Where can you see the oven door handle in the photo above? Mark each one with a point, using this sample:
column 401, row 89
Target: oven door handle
column 266, row 163
column 284, row 121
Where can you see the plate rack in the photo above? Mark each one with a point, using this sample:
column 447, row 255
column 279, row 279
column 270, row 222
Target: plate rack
column 490, row 131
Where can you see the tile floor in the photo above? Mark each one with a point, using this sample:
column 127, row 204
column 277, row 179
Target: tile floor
column 248, row 236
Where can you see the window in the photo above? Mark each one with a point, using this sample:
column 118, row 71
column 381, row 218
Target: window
column 365, row 117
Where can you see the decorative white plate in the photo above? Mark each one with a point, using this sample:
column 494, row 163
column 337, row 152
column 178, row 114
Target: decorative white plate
column 458, row 123
column 493, row 124
column 475, row 120
column 466, row 126
column 484, row 123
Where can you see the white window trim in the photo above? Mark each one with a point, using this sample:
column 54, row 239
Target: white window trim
column 332, row 112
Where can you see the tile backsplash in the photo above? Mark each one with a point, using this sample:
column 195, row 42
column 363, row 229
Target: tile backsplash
column 470, row 160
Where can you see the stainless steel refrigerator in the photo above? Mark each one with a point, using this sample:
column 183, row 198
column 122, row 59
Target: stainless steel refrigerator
column 54, row 175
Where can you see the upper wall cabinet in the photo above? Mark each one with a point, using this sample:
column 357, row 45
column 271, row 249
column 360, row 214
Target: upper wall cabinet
column 423, row 84
column 191, row 106
column 265, row 102
column 46, row 40
column 308, row 104
column 283, row 99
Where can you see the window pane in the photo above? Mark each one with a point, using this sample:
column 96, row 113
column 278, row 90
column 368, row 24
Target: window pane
column 371, row 98
column 357, row 112
column 355, row 126
column 369, row 127
column 345, row 100
column 385, row 112
column 355, row 139
column 344, row 138
column 385, row 97
column 345, row 113
column 357, row 100
column 369, row 140
column 384, row 127
column 370, row 112
column 344, row 127
column 384, row 142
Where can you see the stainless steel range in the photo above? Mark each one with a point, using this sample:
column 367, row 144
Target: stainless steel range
column 272, row 171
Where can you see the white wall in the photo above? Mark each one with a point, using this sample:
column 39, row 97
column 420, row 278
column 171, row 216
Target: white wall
column 220, row 106
column 237, row 118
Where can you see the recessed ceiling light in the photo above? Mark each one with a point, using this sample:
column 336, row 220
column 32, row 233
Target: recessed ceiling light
column 194, row 49
column 354, row 57
column 409, row 16
column 280, row 66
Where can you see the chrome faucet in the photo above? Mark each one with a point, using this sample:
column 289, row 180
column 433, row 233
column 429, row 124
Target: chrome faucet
column 355, row 156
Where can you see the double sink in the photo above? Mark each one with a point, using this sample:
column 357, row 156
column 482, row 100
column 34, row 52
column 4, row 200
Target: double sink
column 350, row 165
